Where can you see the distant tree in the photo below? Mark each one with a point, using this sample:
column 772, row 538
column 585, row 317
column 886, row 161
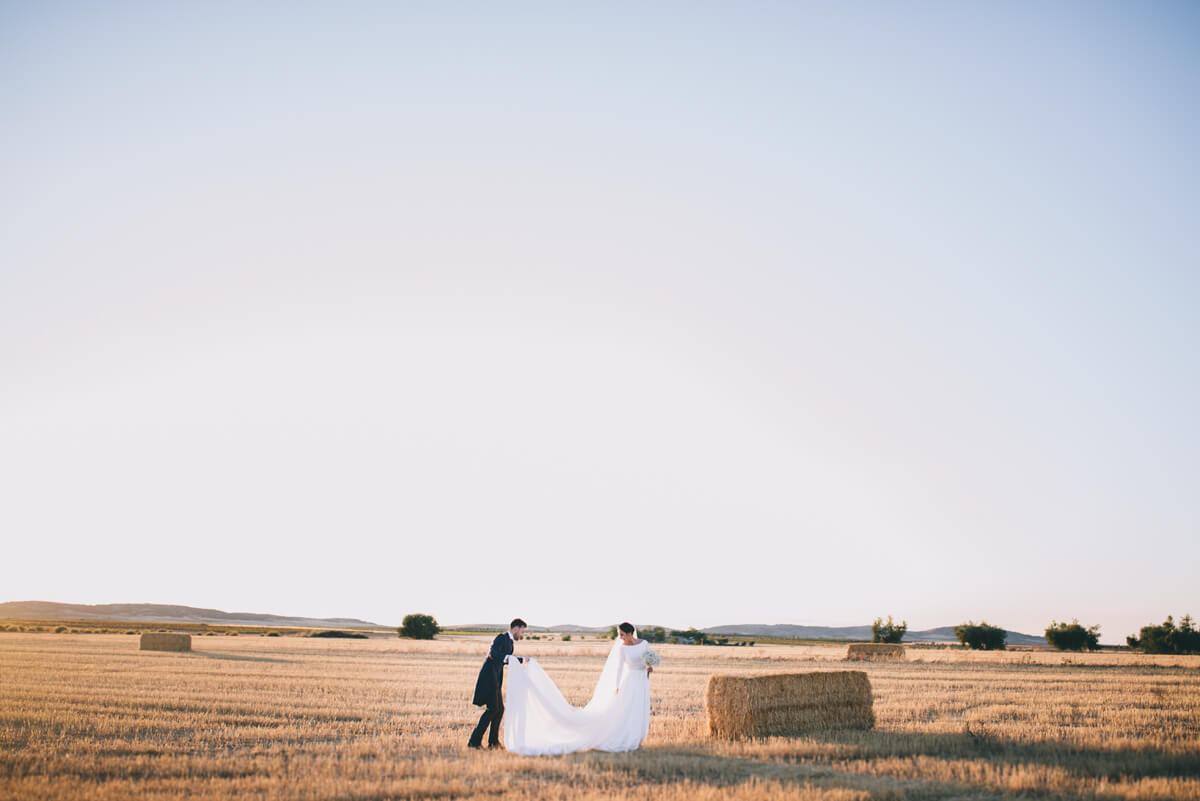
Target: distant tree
column 419, row 627
column 653, row 633
column 888, row 632
column 1072, row 636
column 980, row 636
column 1168, row 638
column 696, row 636
column 650, row 633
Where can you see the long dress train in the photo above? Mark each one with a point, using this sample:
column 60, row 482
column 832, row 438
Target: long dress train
column 538, row 720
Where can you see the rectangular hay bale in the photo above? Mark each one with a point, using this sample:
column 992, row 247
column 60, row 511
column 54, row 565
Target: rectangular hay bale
column 159, row 641
column 860, row 651
column 788, row 703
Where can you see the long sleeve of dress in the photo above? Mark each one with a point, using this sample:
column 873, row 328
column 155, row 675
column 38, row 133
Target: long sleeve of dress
column 620, row 668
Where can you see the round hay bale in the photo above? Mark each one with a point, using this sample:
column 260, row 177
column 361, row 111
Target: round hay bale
column 788, row 703
column 156, row 641
column 866, row 651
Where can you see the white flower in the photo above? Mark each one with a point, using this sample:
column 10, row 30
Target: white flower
column 651, row 658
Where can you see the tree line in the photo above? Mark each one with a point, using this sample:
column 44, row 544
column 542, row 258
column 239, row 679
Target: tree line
column 1167, row 637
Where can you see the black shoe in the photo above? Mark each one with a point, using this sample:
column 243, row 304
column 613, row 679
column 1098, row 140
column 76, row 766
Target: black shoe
column 494, row 745
column 476, row 746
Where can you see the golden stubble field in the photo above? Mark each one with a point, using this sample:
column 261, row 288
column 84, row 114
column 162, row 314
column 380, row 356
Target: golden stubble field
column 88, row 716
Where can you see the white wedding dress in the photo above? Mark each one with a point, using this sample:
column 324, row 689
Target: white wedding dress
column 538, row 720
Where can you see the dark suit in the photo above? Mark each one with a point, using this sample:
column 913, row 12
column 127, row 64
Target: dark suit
column 489, row 690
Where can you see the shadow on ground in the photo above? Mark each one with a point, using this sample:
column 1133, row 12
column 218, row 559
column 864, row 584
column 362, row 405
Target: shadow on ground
column 240, row 658
column 856, row 761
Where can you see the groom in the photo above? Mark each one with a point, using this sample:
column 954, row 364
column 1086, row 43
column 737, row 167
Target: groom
column 490, row 683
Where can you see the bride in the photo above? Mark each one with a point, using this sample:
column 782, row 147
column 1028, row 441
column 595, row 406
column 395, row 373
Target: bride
column 539, row 720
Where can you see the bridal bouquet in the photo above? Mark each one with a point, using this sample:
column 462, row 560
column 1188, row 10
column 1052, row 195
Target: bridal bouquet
column 651, row 658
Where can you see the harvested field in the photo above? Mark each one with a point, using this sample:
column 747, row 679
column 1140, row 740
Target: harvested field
column 90, row 716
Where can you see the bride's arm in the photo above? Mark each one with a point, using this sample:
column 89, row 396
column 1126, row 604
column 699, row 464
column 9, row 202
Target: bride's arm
column 620, row 670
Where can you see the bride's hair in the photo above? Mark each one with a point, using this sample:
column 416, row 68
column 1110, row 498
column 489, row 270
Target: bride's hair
column 627, row 628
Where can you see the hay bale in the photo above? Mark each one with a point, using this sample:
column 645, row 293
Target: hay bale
column 154, row 641
column 861, row 651
column 788, row 703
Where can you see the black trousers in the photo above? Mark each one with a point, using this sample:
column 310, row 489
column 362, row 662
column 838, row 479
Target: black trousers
column 490, row 717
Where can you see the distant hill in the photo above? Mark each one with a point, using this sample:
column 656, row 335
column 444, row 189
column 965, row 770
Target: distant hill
column 535, row 629
column 783, row 631
column 941, row 634
column 163, row 613
column 790, row 631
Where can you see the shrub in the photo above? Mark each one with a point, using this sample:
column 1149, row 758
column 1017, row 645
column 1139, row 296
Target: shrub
column 419, row 627
column 697, row 637
column 1072, row 636
column 345, row 635
column 1168, row 638
column 61, row 630
column 653, row 634
column 566, row 638
column 980, row 636
column 888, row 632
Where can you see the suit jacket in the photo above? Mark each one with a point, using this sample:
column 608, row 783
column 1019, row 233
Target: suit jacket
column 491, row 675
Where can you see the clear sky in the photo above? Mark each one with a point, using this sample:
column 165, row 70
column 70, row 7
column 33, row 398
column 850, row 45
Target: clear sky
column 686, row 313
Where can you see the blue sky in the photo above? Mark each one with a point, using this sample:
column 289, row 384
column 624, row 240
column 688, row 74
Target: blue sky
column 686, row 313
